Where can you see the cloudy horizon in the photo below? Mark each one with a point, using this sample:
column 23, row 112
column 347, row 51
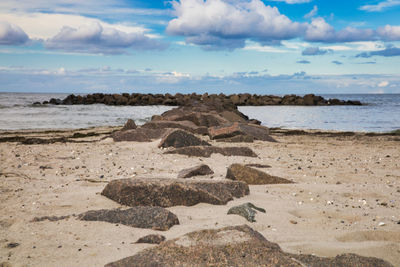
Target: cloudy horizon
column 228, row 46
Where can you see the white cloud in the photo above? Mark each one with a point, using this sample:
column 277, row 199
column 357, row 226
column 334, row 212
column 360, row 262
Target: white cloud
column 312, row 13
column 224, row 23
column 254, row 46
column 95, row 38
column 11, row 34
column 383, row 84
column 293, row 1
column 380, row 6
column 389, row 33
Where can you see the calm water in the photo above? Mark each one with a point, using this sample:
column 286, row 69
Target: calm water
column 381, row 114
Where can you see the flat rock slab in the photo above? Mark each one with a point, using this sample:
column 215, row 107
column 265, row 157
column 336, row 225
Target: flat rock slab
column 233, row 246
column 151, row 239
column 173, row 192
column 195, row 171
column 258, row 132
column 249, row 175
column 139, row 134
column 198, row 151
column 155, row 218
column 237, row 139
column 181, row 138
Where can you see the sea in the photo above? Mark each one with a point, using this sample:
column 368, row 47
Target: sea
column 381, row 113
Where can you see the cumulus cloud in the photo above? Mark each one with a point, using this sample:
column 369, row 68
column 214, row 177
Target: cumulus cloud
column 380, row 6
column 11, row 34
column 320, row 31
column 389, row 51
column 303, row 62
column 314, row 51
column 94, row 38
column 216, row 23
column 389, row 33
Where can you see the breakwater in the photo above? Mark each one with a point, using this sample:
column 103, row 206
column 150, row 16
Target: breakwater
column 136, row 99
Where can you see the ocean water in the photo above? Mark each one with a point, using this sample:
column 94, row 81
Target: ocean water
column 381, row 114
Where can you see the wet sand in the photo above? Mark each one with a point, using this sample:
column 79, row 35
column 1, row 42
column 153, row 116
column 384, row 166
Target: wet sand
column 346, row 195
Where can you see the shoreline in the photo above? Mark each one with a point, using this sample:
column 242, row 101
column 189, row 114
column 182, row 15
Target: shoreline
column 337, row 201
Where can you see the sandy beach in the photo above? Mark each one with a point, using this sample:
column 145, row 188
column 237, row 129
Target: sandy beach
column 345, row 197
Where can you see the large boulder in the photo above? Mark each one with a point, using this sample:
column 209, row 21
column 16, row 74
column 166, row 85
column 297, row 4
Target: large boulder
column 200, row 119
column 207, row 151
column 180, row 138
column 230, row 130
column 184, row 125
column 195, row 171
column 173, row 192
column 233, row 246
column 156, row 218
column 249, row 175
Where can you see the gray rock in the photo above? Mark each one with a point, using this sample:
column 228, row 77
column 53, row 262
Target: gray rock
column 195, row 171
column 151, row 239
column 173, row 192
column 198, row 151
column 246, row 210
column 249, row 175
column 234, row 246
column 129, row 125
column 180, row 138
column 155, row 218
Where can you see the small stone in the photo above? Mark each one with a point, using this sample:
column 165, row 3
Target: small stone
column 12, row 245
column 246, row 210
column 195, row 171
column 151, row 239
column 381, row 224
column 293, row 222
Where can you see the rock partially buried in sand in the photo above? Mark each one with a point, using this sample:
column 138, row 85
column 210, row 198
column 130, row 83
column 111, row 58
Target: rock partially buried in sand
column 195, row 171
column 197, row 151
column 151, row 239
column 252, row 176
column 173, row 192
column 139, row 134
column 155, row 218
column 233, row 246
column 246, row 210
column 180, row 138
column 129, row 125
column 237, row 139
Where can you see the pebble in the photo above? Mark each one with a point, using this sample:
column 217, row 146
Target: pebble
column 381, row 224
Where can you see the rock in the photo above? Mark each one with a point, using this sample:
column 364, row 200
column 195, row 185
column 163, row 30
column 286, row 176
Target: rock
column 256, row 165
column 231, row 116
column 252, row 176
column 309, row 100
column 181, row 138
column 129, row 125
column 198, row 151
column 184, row 125
column 237, row 139
column 139, row 134
column 12, row 245
column 155, row 218
column 195, row 171
column 151, row 239
column 233, row 246
column 199, row 118
column 173, row 192
column 130, row 135
column 256, row 131
column 5, row 264
column 246, row 210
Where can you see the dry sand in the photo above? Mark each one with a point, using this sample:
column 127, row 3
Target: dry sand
column 346, row 196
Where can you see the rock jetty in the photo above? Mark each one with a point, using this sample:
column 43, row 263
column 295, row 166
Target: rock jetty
column 136, row 99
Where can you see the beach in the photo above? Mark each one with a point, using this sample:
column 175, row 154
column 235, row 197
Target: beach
column 344, row 199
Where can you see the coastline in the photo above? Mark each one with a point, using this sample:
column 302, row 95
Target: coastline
column 345, row 186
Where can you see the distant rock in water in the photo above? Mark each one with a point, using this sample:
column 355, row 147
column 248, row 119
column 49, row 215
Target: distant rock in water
column 136, row 99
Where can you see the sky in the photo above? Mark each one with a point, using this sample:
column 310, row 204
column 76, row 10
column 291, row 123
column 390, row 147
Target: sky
column 214, row 46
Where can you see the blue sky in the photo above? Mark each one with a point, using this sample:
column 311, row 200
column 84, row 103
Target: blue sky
column 228, row 46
